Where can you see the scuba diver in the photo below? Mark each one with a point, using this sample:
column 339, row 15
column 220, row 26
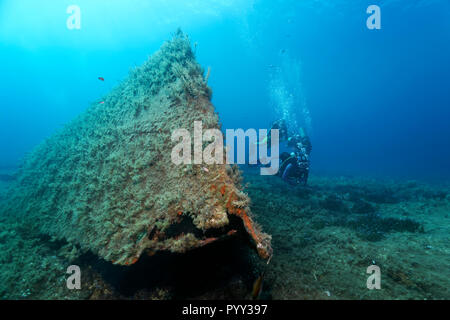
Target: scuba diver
column 295, row 151
column 282, row 127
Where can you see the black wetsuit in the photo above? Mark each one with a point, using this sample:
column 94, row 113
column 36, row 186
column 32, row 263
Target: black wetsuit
column 294, row 167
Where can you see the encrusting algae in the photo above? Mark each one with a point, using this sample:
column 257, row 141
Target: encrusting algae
column 106, row 181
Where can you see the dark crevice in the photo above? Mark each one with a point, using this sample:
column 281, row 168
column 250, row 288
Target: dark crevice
column 186, row 225
column 186, row 275
column 229, row 261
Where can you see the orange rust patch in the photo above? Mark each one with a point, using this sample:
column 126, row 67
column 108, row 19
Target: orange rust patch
column 248, row 223
column 229, row 207
column 249, row 226
column 208, row 240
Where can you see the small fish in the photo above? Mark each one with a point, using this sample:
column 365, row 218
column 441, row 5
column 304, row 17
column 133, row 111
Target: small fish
column 101, row 78
column 205, row 169
column 257, row 286
column 102, row 102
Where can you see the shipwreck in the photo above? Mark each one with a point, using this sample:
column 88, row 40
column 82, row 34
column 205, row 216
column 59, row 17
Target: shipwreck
column 106, row 183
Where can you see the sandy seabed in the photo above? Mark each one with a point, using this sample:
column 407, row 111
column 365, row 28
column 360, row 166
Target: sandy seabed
column 324, row 237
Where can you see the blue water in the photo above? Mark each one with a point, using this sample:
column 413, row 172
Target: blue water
column 376, row 102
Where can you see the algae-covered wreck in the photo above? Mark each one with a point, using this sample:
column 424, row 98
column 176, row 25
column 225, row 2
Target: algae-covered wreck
column 106, row 181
